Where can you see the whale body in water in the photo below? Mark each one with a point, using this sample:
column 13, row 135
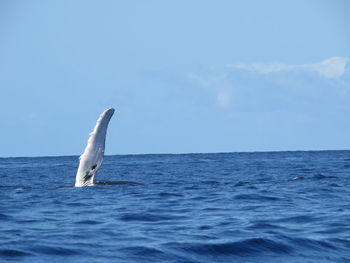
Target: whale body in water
column 92, row 157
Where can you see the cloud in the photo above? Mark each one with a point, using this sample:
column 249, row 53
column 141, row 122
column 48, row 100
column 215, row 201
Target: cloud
column 307, row 88
column 223, row 99
column 262, row 68
column 330, row 68
column 219, row 84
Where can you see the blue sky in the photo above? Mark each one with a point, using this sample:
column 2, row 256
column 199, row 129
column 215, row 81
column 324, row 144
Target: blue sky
column 184, row 76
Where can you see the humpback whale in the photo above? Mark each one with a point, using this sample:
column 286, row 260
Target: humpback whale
column 91, row 159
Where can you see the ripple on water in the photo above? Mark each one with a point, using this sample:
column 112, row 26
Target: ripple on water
column 308, row 243
column 56, row 250
column 88, row 222
column 4, row 217
column 13, row 253
column 147, row 217
column 240, row 248
column 256, row 197
column 142, row 251
column 297, row 219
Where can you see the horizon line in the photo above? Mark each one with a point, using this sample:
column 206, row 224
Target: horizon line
column 183, row 153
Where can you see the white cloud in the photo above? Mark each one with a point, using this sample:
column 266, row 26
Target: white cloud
column 262, row 68
column 330, row 68
column 219, row 84
column 199, row 79
column 223, row 99
column 305, row 87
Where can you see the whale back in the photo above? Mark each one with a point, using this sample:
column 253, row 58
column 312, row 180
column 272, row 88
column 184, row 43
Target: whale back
column 92, row 157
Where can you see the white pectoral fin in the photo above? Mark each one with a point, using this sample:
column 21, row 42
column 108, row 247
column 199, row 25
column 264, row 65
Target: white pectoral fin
column 91, row 159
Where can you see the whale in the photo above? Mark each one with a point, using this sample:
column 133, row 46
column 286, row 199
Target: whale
column 91, row 159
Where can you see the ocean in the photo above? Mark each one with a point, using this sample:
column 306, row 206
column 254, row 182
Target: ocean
column 223, row 207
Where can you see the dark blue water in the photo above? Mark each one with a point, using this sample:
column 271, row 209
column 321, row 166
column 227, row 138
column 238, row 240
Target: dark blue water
column 232, row 207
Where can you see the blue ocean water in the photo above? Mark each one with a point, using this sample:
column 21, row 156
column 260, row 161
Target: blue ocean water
column 228, row 207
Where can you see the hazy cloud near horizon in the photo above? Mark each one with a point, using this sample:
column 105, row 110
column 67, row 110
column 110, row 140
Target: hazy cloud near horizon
column 280, row 86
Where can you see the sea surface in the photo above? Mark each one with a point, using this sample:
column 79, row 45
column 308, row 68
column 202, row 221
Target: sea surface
column 225, row 207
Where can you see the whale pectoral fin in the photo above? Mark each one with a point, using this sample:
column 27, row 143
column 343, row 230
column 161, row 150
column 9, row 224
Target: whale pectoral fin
column 92, row 157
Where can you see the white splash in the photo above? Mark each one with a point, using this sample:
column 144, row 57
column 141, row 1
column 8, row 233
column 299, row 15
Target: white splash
column 91, row 159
